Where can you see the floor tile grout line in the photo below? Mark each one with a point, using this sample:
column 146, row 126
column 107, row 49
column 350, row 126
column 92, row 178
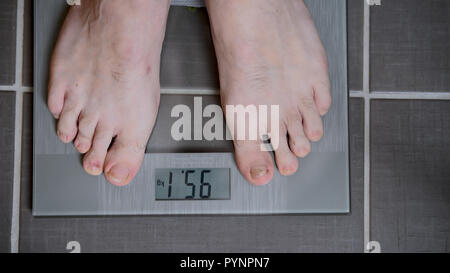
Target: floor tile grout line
column 367, row 167
column 366, row 48
column 401, row 95
column 410, row 95
column 397, row 95
column 13, row 88
column 366, row 92
column 18, row 129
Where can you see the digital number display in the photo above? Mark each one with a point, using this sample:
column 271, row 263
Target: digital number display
column 192, row 184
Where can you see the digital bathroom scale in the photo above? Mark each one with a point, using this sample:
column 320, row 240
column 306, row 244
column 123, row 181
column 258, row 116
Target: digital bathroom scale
column 198, row 176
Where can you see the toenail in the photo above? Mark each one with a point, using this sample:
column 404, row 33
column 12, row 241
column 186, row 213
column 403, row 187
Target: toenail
column 62, row 136
column 118, row 174
column 258, row 171
column 286, row 171
column 304, row 151
column 80, row 146
column 317, row 134
column 94, row 169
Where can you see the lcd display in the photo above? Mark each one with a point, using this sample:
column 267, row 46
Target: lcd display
column 192, row 184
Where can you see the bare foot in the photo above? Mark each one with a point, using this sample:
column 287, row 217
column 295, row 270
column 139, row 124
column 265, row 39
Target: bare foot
column 104, row 82
column 269, row 53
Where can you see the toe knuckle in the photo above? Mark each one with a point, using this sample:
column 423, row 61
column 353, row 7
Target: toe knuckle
column 293, row 121
column 87, row 122
column 306, row 103
column 316, row 135
column 136, row 147
column 72, row 108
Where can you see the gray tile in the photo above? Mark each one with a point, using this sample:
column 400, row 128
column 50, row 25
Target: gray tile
column 27, row 76
column 8, row 15
column 331, row 233
column 7, row 117
column 355, row 18
column 410, row 46
column 410, row 179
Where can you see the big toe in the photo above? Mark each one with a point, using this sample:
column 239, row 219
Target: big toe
column 124, row 159
column 254, row 164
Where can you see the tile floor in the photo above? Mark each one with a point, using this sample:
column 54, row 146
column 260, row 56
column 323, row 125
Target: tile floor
column 399, row 138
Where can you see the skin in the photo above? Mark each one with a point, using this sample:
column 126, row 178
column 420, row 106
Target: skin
column 104, row 82
column 104, row 78
column 271, row 54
